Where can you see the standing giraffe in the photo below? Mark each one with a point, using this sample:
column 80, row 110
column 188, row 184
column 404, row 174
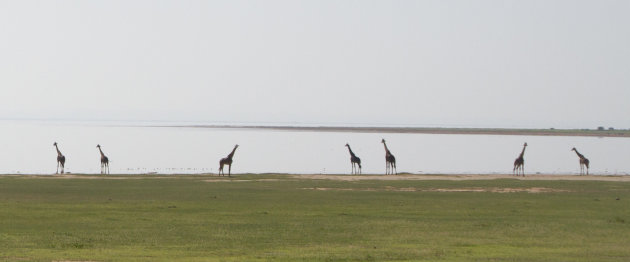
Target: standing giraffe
column 104, row 161
column 61, row 160
column 390, row 161
column 519, row 163
column 354, row 160
column 583, row 162
column 227, row 161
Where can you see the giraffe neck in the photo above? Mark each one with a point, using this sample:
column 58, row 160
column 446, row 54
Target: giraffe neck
column 386, row 150
column 58, row 152
column 351, row 153
column 522, row 153
column 102, row 155
column 231, row 153
column 578, row 153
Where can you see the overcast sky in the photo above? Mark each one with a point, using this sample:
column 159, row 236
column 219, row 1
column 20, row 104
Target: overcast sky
column 438, row 63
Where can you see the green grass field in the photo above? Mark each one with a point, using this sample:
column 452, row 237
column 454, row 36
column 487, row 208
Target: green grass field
column 281, row 218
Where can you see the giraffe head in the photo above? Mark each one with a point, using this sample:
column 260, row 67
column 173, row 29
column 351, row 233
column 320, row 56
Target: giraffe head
column 347, row 145
column 573, row 149
column 525, row 144
column 99, row 146
column 55, row 144
column 383, row 140
column 236, row 146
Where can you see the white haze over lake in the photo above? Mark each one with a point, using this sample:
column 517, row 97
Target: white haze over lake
column 557, row 63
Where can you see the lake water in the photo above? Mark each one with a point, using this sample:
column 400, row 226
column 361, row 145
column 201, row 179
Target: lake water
column 27, row 148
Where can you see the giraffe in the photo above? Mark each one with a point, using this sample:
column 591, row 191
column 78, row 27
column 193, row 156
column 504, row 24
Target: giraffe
column 583, row 162
column 390, row 161
column 104, row 161
column 61, row 160
column 519, row 163
column 227, row 161
column 354, row 160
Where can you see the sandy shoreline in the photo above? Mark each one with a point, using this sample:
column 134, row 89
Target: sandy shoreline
column 433, row 130
column 456, row 177
column 409, row 177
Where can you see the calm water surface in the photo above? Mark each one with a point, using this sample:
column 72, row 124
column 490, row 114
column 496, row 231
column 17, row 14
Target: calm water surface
column 27, row 147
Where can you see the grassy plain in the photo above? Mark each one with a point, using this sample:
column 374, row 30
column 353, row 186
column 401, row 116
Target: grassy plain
column 286, row 218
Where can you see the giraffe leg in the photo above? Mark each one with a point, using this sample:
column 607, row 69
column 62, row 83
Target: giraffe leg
column 230, row 170
column 394, row 166
column 57, row 172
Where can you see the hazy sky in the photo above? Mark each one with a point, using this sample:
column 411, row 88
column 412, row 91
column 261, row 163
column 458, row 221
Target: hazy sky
column 440, row 63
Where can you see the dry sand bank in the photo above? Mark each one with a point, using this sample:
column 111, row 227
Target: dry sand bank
column 464, row 177
column 534, row 190
column 411, row 177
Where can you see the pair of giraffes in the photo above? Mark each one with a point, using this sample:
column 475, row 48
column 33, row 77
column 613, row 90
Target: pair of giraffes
column 61, row 160
column 390, row 161
column 519, row 163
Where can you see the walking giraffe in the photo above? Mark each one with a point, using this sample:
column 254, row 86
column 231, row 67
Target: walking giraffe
column 104, row 161
column 227, row 161
column 519, row 163
column 61, row 160
column 354, row 160
column 390, row 161
column 583, row 162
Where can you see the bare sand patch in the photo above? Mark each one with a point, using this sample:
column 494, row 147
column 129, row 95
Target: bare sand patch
column 466, row 189
column 410, row 177
column 225, row 180
column 456, row 177
column 85, row 176
column 242, row 180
